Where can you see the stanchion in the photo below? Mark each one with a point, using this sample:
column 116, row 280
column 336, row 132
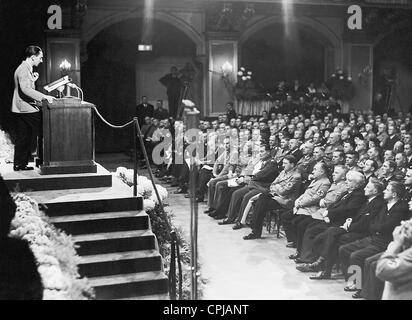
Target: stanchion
column 192, row 122
column 149, row 169
column 172, row 269
column 135, row 133
column 179, row 264
column 175, row 253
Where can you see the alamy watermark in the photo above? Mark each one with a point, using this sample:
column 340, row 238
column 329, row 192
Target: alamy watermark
column 235, row 146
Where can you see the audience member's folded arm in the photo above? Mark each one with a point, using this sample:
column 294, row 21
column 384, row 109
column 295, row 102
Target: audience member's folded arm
column 315, row 198
column 334, row 197
column 288, row 187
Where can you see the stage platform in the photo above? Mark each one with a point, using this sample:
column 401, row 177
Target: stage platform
column 23, row 181
column 118, row 250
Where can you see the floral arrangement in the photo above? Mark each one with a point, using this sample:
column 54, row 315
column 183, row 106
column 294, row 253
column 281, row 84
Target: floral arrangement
column 340, row 85
column 245, row 88
column 244, row 75
column 144, row 188
column 53, row 250
column 6, row 148
column 161, row 223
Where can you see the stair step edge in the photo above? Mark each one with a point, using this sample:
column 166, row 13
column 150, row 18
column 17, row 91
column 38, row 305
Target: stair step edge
column 97, row 216
column 118, row 256
column 90, row 200
column 127, row 278
column 112, row 235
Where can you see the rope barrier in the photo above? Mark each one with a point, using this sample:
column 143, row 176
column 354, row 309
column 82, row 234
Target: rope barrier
column 112, row 125
column 175, row 243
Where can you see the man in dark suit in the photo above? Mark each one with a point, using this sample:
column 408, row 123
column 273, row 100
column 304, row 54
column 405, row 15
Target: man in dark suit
column 407, row 148
column 160, row 113
column 276, row 108
column 336, row 214
column 379, row 105
column 143, row 110
column 230, row 111
column 294, row 149
column 369, row 169
column 408, row 185
column 388, row 172
column 258, row 184
column 296, row 90
column 26, row 113
column 283, row 193
column 393, row 138
column 289, row 106
column 174, row 85
column 380, row 230
column 327, row 243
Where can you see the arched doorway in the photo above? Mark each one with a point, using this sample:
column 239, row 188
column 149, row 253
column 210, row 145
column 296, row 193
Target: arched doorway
column 116, row 74
column 392, row 69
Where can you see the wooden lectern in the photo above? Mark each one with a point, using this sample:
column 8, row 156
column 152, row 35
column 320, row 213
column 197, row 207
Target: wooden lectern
column 68, row 137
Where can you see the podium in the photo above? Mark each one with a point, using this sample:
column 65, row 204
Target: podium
column 68, row 137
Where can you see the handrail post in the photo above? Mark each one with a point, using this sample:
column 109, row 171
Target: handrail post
column 179, row 264
column 149, row 169
column 192, row 122
column 172, row 269
column 135, row 133
column 194, row 230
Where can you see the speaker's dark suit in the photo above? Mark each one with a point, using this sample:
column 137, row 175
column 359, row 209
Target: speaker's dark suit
column 380, row 234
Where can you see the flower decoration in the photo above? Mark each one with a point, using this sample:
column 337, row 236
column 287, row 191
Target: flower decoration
column 245, row 89
column 54, row 251
column 144, row 187
column 244, row 75
column 340, row 85
column 6, row 148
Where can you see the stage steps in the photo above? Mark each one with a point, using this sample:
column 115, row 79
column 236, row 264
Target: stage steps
column 118, row 251
column 23, row 181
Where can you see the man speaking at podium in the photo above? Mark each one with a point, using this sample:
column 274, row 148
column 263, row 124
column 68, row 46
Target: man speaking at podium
column 27, row 116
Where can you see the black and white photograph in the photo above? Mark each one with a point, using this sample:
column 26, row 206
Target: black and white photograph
column 186, row 151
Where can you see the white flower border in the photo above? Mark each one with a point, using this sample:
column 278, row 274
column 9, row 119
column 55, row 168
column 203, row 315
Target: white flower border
column 6, row 148
column 144, row 188
column 53, row 250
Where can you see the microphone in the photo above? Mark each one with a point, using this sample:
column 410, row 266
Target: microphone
column 73, row 85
